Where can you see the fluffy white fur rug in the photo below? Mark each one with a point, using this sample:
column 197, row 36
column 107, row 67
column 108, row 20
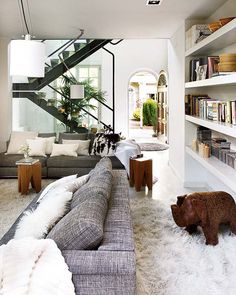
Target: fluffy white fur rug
column 171, row 262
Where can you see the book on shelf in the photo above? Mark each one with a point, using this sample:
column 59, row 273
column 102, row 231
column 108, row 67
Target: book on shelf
column 27, row 161
column 204, row 107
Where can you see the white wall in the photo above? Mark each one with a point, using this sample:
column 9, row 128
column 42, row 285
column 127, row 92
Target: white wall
column 5, row 97
column 132, row 56
column 176, row 68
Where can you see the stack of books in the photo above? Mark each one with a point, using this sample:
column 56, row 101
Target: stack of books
column 215, row 110
column 195, row 34
column 27, row 161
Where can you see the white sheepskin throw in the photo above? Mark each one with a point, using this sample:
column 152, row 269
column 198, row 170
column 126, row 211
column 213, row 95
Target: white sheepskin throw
column 33, row 267
column 58, row 184
column 37, row 223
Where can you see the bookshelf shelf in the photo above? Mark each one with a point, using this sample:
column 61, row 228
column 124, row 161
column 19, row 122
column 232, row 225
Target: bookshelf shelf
column 227, row 129
column 226, row 174
column 222, row 38
column 214, row 81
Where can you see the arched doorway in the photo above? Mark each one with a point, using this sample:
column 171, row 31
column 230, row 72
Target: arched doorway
column 142, row 94
column 162, row 110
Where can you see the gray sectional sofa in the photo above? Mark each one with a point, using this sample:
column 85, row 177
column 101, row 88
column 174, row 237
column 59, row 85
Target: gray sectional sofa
column 103, row 260
column 59, row 166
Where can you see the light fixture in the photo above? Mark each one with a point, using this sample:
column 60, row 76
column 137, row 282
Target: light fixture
column 76, row 91
column 27, row 57
column 154, row 2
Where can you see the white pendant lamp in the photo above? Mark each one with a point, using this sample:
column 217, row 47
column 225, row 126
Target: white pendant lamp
column 27, row 58
column 76, row 91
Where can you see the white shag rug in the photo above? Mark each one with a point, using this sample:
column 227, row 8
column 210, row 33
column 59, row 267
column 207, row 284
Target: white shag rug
column 171, row 262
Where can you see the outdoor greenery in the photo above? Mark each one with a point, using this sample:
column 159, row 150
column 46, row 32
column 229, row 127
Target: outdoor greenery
column 149, row 113
column 136, row 114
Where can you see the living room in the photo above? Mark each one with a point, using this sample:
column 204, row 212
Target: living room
column 144, row 248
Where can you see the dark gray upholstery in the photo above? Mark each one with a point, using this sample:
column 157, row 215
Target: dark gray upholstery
column 67, row 161
column 45, row 135
column 10, row 160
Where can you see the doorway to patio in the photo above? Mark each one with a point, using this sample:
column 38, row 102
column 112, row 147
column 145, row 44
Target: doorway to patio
column 142, row 97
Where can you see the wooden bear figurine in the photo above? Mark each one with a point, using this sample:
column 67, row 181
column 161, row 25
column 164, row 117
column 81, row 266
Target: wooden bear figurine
column 205, row 209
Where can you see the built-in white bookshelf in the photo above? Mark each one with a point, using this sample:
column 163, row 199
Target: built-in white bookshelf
column 219, row 41
column 227, row 129
column 222, row 38
column 214, row 81
column 225, row 173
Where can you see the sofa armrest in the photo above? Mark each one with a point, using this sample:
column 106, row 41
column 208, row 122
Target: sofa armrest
column 100, row 262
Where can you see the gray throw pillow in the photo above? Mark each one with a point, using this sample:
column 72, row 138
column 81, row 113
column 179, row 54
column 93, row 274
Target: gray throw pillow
column 103, row 164
column 99, row 184
column 82, row 227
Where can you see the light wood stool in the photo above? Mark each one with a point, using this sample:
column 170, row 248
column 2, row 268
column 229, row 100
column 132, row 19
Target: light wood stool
column 27, row 174
column 140, row 173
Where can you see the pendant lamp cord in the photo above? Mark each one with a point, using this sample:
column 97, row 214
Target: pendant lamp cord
column 23, row 13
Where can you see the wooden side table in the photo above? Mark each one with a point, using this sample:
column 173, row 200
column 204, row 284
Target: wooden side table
column 140, row 173
column 27, row 174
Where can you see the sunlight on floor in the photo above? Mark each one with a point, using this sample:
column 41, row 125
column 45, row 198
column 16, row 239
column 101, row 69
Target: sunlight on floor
column 168, row 185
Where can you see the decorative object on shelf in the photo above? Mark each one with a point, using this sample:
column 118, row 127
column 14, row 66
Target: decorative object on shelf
column 227, row 62
column 214, row 26
column 25, row 149
column 224, row 21
column 23, row 53
column 201, row 72
column 195, row 34
column 205, row 209
column 51, row 102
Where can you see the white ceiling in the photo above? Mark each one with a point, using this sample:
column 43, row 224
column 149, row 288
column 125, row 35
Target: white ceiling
column 61, row 19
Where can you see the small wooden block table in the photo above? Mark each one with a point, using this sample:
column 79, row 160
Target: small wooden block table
column 27, row 174
column 140, row 173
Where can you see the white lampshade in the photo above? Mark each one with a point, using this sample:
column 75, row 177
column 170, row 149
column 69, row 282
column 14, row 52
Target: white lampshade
column 27, row 58
column 76, row 91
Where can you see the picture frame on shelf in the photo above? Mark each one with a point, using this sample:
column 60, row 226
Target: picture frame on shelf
column 201, row 72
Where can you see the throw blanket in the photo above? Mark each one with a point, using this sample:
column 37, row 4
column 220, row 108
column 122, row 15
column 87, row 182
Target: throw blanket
column 33, row 267
column 126, row 149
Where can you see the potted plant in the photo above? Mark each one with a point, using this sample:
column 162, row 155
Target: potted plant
column 73, row 108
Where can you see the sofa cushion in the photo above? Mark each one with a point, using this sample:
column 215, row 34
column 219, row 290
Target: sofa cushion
column 67, row 162
column 99, row 185
column 10, row 160
column 45, row 135
column 100, row 182
column 82, row 227
column 72, row 136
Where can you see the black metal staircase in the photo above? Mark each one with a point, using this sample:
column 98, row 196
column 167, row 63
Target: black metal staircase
column 53, row 72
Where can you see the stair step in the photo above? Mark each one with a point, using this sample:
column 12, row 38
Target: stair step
column 47, row 69
column 31, row 79
column 55, row 62
column 67, row 54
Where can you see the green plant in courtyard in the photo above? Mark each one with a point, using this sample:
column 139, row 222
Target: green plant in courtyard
column 149, row 112
column 136, row 114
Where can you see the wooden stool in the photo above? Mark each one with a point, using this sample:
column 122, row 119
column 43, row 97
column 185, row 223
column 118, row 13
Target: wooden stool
column 27, row 174
column 140, row 173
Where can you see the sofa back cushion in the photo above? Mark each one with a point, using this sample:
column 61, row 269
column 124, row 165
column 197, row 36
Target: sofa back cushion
column 99, row 183
column 72, row 136
column 82, row 227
